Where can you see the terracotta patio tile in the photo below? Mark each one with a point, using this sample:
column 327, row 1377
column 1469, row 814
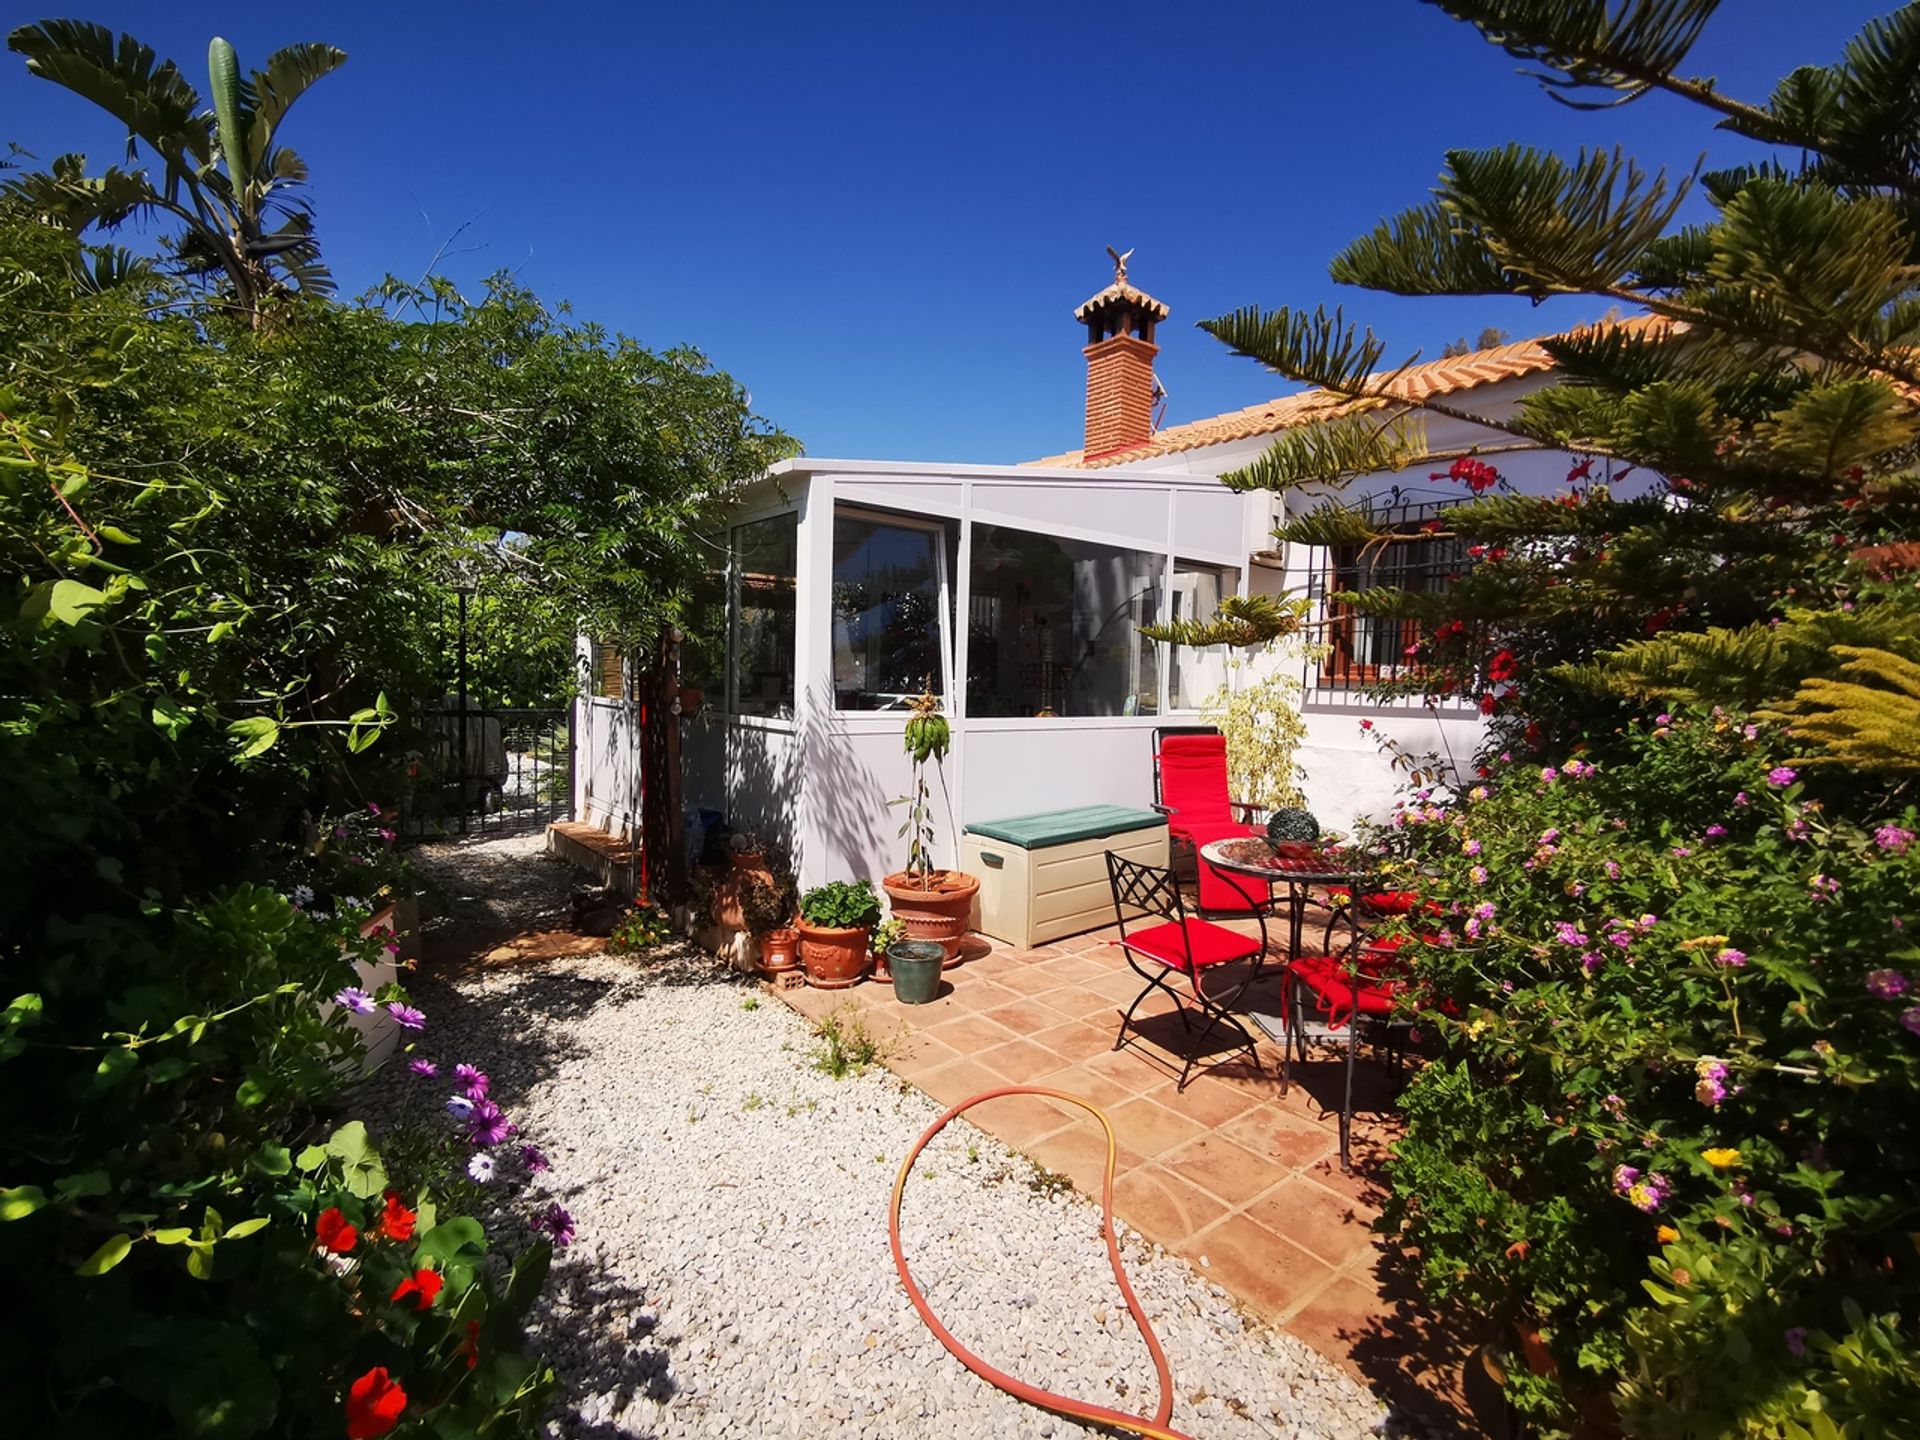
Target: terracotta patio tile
column 1075, row 969
column 1121, row 987
column 1283, row 1136
column 1321, row 1222
column 1267, row 1271
column 1162, row 1206
column 1076, row 1040
column 970, row 1034
column 979, row 993
column 1020, row 1119
column 1025, row 1017
column 1020, row 1061
column 1232, row 1172
column 1075, row 1002
column 1342, row 1316
column 1209, row 1104
column 1080, row 1153
column 1151, row 1128
column 1131, row 1067
column 1037, row 955
column 1025, row 980
column 1091, row 1085
column 920, row 1054
column 1092, row 940
column 957, row 1080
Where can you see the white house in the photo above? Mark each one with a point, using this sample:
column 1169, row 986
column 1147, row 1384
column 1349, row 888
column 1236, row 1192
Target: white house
column 1017, row 593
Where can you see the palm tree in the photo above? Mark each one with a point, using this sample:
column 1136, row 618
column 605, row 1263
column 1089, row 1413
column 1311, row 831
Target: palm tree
column 226, row 211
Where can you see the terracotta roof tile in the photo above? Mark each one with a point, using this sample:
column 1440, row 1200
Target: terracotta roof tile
column 1415, row 383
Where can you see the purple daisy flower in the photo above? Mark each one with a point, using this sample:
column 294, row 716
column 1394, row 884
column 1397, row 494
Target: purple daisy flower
column 405, row 1016
column 459, row 1106
column 477, row 1085
column 480, row 1167
column 534, row 1159
column 425, row 1068
column 557, row 1223
column 372, row 809
column 355, row 999
column 1910, row 1017
column 487, row 1124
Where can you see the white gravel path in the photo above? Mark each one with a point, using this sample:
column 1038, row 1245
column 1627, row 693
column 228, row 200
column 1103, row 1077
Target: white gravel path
column 731, row 1275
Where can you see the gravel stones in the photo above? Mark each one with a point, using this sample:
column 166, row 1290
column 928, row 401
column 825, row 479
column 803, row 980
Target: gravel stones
column 731, row 1275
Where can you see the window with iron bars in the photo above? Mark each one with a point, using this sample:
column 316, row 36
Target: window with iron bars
column 1361, row 651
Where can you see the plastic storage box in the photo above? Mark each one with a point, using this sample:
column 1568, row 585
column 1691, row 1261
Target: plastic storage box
column 1045, row 876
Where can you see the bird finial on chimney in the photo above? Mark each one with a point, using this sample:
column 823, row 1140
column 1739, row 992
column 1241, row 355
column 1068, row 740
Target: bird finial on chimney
column 1119, row 265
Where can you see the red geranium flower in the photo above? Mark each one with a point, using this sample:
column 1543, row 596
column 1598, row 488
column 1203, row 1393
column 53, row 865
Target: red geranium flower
column 1501, row 667
column 374, row 1405
column 422, row 1285
column 470, row 1347
column 1487, row 704
column 396, row 1221
column 334, row 1232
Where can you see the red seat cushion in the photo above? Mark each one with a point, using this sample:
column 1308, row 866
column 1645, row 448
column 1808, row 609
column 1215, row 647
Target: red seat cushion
column 1382, row 902
column 1327, row 977
column 1208, row 944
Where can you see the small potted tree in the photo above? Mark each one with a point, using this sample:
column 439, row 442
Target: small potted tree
column 836, row 930
column 934, row 904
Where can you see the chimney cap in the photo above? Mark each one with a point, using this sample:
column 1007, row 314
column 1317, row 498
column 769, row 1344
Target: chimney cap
column 1120, row 292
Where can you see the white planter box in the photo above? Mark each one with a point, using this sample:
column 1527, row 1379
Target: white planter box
column 1034, row 889
column 377, row 1032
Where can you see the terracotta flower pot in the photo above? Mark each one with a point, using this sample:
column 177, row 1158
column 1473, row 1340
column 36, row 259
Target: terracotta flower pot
column 834, row 957
column 748, row 860
column 936, row 907
column 779, row 950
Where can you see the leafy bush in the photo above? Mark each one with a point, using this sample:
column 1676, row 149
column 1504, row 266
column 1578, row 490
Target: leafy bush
column 641, row 927
column 841, row 905
column 1672, row 1118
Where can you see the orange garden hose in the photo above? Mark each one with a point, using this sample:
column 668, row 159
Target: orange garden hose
column 1155, row 1429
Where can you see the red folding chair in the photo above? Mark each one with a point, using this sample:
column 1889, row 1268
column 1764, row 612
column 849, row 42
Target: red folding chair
column 1190, row 789
column 1181, row 944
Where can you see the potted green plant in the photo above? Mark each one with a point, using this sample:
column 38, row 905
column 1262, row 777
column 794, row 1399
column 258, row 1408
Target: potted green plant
column 766, row 907
column 934, row 904
column 887, row 933
column 836, row 931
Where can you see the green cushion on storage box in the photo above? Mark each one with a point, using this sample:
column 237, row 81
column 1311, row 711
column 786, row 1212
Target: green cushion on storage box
column 1063, row 827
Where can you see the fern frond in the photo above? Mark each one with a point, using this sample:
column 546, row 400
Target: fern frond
column 1579, row 228
column 1332, row 452
column 1317, row 349
column 1240, row 620
column 1592, row 44
column 1423, row 251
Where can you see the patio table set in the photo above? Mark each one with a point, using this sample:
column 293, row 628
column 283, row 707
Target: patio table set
column 1328, row 994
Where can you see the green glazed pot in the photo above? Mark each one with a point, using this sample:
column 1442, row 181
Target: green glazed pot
column 916, row 969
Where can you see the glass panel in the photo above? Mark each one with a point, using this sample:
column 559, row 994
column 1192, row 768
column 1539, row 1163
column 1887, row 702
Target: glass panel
column 703, row 653
column 1053, row 626
column 765, row 569
column 886, row 613
column 1197, row 592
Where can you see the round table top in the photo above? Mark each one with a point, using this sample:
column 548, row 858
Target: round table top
column 1255, row 855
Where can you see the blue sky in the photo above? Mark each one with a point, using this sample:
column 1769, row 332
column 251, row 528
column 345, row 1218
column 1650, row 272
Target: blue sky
column 880, row 217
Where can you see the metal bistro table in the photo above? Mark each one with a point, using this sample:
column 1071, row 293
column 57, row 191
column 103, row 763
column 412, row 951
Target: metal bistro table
column 1257, row 858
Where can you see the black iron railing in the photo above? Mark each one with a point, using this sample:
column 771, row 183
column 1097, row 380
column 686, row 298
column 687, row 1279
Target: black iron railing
column 488, row 771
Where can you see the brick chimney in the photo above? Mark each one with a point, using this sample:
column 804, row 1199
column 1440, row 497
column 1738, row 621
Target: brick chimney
column 1121, row 389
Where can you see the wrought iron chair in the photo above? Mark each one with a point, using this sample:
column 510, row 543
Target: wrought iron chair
column 1181, row 944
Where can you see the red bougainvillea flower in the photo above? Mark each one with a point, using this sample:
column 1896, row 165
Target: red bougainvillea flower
column 374, row 1405
column 470, row 1347
column 334, row 1233
column 422, row 1287
column 397, row 1221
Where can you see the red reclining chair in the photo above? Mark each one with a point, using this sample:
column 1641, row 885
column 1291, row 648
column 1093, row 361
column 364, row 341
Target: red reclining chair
column 1168, row 942
column 1190, row 789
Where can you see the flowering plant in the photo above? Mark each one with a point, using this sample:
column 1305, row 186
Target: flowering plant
column 1671, row 1120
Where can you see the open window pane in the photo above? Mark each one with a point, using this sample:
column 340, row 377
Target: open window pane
column 886, row 613
column 1054, row 626
column 1197, row 592
column 765, row 556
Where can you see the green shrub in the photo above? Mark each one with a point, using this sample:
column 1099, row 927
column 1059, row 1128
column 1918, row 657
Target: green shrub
column 641, row 927
column 1672, row 1117
column 841, row 905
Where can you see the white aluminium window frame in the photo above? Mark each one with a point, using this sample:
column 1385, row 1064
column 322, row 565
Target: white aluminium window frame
column 936, row 527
